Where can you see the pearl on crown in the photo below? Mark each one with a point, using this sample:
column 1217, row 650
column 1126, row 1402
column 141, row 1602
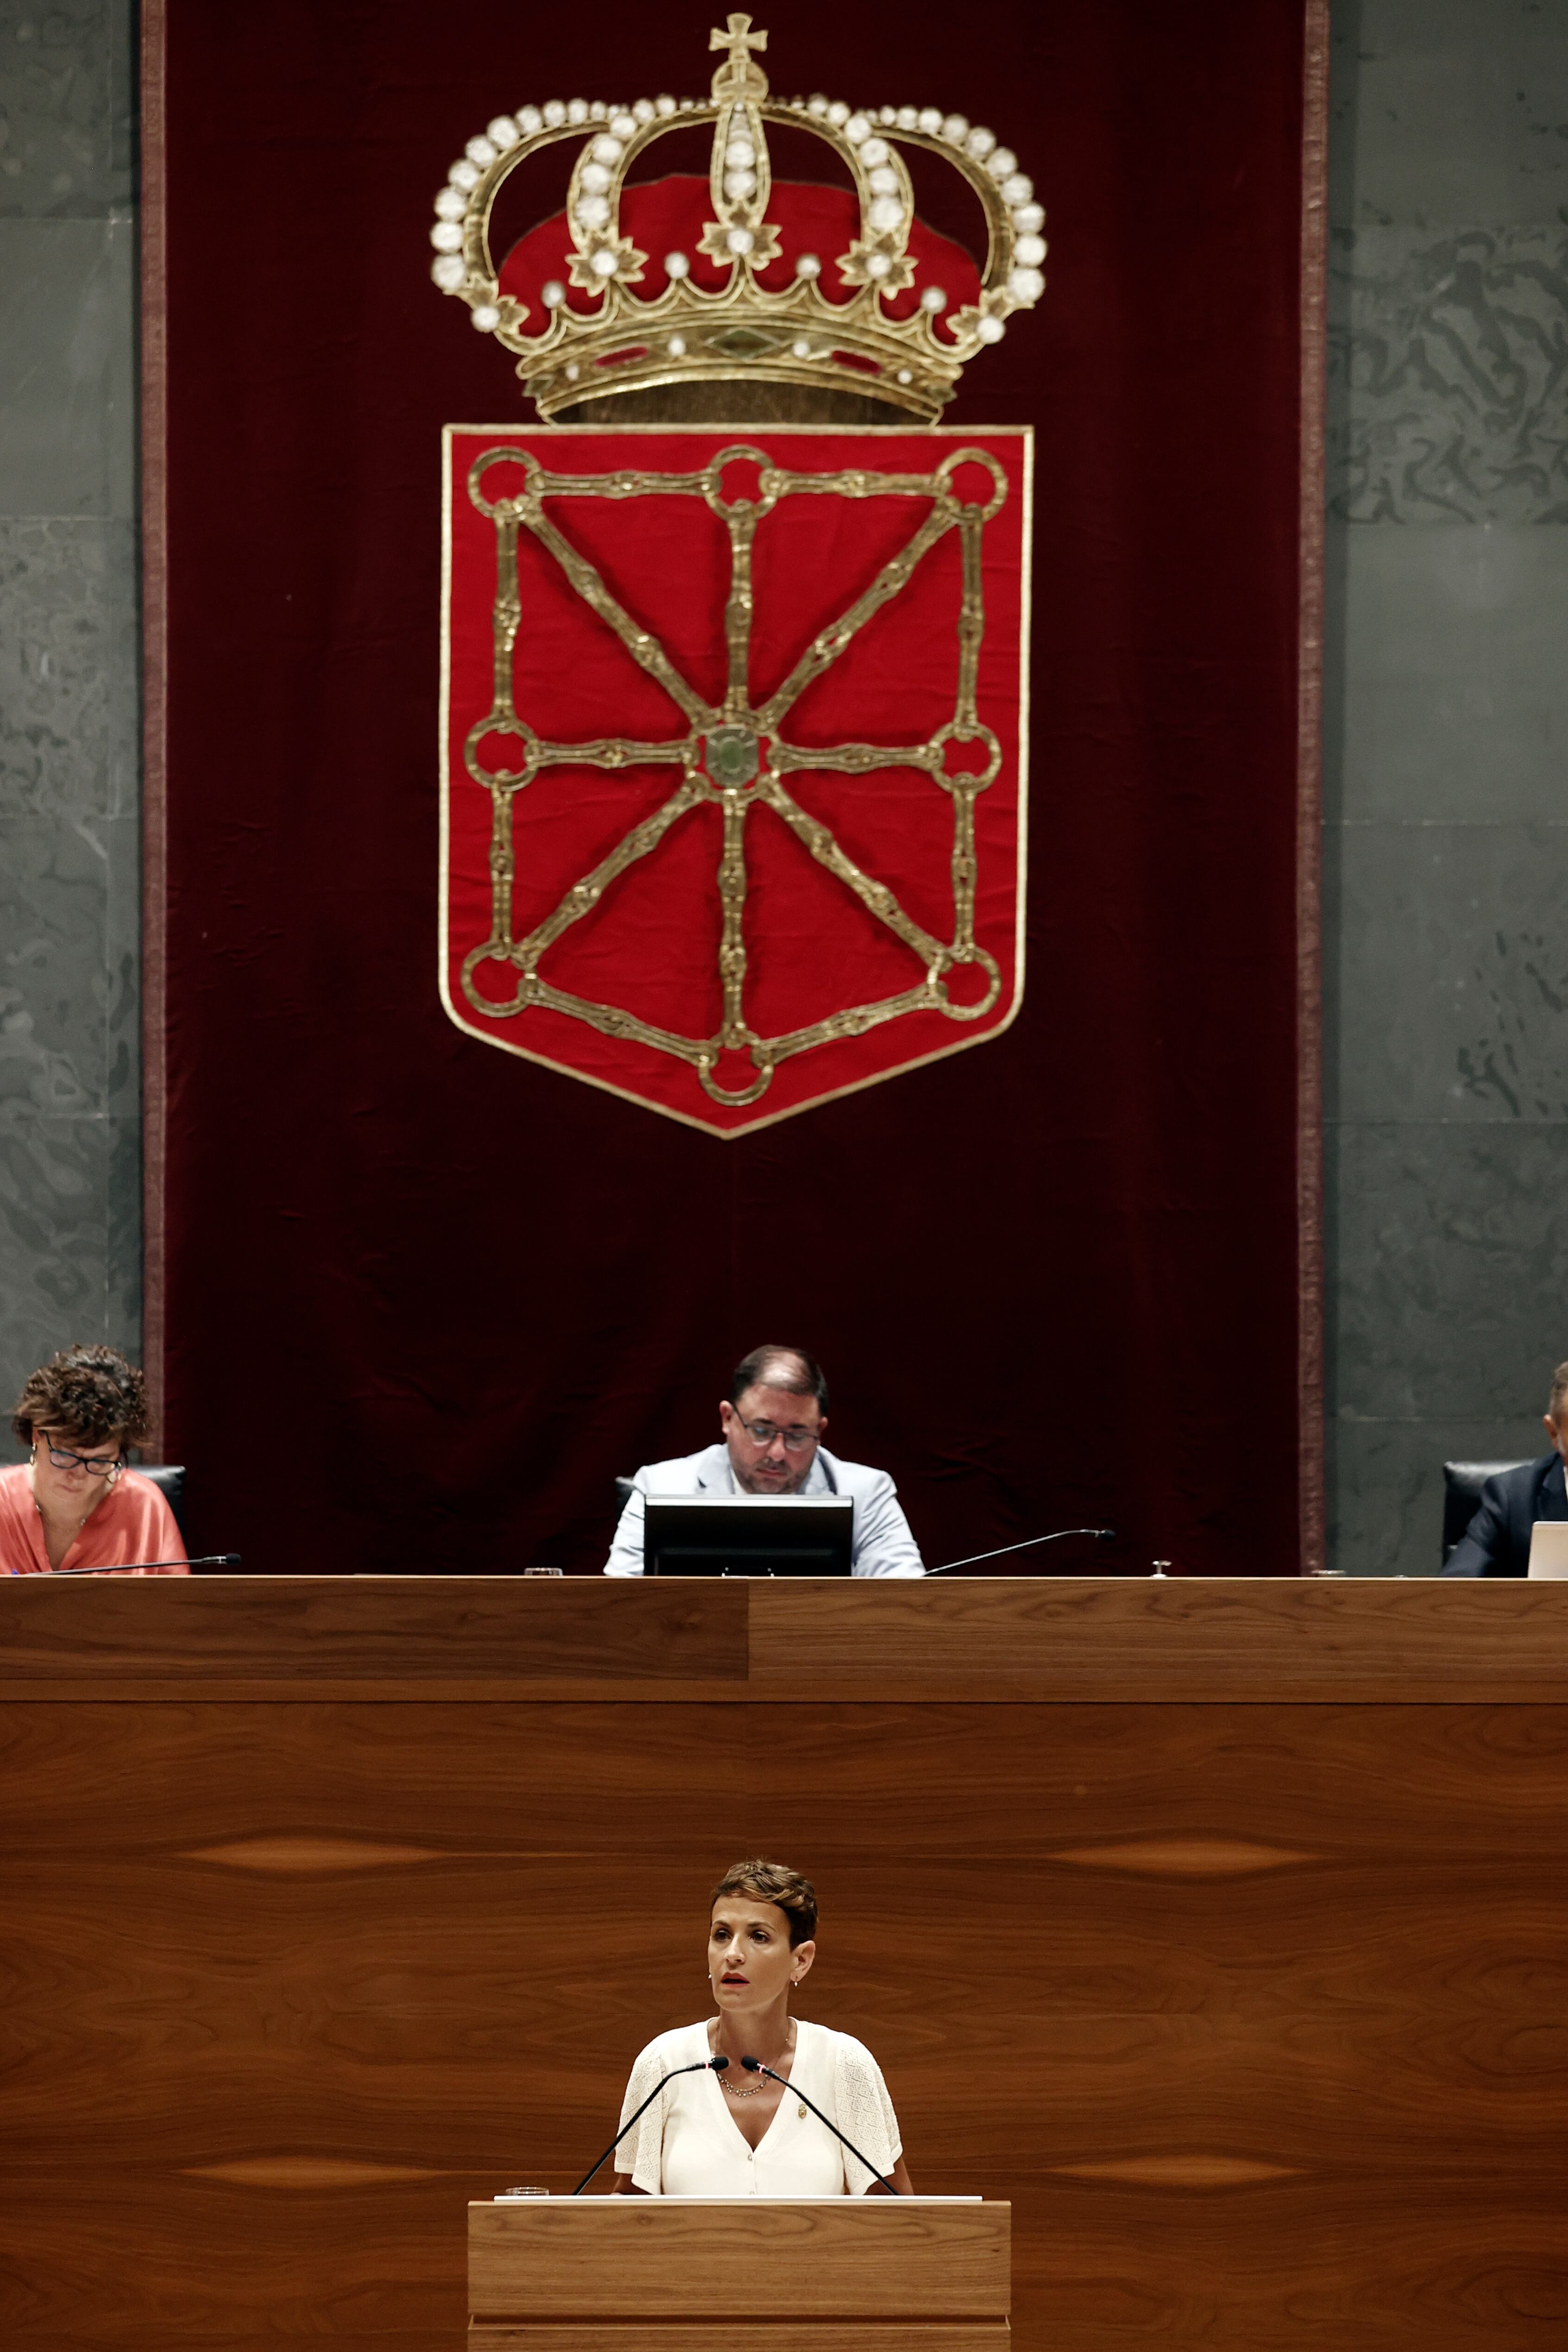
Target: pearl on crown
column 611, row 128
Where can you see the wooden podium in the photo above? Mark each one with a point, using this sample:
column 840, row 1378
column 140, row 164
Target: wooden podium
column 838, row 2274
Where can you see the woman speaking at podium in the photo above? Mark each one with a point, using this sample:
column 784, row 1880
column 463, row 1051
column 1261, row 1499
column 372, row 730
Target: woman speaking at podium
column 732, row 2132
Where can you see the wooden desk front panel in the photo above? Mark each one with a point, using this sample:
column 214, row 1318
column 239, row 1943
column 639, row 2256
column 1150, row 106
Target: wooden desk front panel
column 863, row 2258
column 1256, row 2012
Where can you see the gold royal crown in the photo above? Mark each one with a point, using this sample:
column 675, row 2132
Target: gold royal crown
column 889, row 335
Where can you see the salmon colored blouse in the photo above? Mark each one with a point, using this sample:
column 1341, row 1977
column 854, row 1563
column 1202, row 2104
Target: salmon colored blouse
column 131, row 1524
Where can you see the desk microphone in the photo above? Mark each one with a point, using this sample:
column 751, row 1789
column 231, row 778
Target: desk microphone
column 755, row 2066
column 1105, row 1534
column 706, row 2065
column 140, row 1567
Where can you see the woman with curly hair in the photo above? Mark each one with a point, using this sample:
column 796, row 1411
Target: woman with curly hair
column 74, row 1503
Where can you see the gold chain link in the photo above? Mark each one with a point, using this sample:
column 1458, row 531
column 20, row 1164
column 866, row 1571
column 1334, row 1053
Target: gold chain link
column 696, row 756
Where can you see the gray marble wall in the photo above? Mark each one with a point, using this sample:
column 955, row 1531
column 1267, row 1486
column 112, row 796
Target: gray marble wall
column 69, row 884
column 1447, row 838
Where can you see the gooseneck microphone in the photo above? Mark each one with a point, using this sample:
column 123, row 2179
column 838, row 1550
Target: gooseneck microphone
column 1104, row 1535
column 706, row 2066
column 755, row 2066
column 141, row 1566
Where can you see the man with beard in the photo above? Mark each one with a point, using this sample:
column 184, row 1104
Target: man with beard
column 773, row 1422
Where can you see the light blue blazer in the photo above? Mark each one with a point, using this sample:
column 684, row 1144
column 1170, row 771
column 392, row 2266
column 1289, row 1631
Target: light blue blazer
column 883, row 1545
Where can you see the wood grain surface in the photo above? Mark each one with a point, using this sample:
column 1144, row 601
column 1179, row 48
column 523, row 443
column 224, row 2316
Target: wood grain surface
column 1103, row 1637
column 780, row 2333
column 1255, row 2008
column 421, row 1629
column 1063, row 1640
column 619, row 2257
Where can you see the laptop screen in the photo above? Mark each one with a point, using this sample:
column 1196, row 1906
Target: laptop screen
column 748, row 1535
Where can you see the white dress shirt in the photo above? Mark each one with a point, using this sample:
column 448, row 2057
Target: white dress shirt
column 881, row 1544
column 688, row 2144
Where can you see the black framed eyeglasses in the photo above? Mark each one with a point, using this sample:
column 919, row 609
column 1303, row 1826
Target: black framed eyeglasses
column 96, row 1467
column 762, row 1432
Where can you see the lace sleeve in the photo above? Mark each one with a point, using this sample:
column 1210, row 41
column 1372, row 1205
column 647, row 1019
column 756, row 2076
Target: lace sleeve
column 864, row 2114
column 641, row 2153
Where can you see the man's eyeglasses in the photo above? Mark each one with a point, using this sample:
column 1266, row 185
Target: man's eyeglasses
column 95, row 1466
column 762, row 1432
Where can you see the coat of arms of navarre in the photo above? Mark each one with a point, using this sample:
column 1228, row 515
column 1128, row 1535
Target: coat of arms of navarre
column 734, row 730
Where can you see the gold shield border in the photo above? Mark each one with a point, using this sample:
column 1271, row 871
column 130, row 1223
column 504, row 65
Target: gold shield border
column 1024, row 434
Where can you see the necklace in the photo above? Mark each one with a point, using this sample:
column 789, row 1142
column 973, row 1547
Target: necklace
column 734, row 2090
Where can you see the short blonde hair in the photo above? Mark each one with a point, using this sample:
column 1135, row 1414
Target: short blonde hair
column 774, row 1882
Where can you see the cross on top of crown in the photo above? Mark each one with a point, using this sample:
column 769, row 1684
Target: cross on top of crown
column 738, row 77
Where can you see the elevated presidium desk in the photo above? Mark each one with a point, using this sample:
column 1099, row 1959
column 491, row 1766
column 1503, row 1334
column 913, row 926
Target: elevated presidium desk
column 1219, row 1929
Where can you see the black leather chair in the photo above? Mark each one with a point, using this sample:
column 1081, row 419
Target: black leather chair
column 169, row 1477
column 1462, row 1484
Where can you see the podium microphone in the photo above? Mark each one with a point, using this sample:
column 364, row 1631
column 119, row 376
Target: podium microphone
column 755, row 2066
column 1104, row 1535
column 706, row 2066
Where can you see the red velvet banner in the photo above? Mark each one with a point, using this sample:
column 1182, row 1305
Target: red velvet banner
column 422, row 1298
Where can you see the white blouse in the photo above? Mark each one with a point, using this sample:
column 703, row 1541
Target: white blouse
column 688, row 2144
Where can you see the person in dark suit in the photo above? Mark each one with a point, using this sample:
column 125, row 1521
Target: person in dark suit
column 1497, row 1541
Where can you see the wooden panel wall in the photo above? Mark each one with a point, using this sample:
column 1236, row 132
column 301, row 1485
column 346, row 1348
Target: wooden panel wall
column 1256, row 2008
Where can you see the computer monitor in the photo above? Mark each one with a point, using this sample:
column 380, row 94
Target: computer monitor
column 748, row 1535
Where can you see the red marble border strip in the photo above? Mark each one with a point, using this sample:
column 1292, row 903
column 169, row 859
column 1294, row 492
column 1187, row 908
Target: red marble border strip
column 1308, row 791
column 154, row 709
